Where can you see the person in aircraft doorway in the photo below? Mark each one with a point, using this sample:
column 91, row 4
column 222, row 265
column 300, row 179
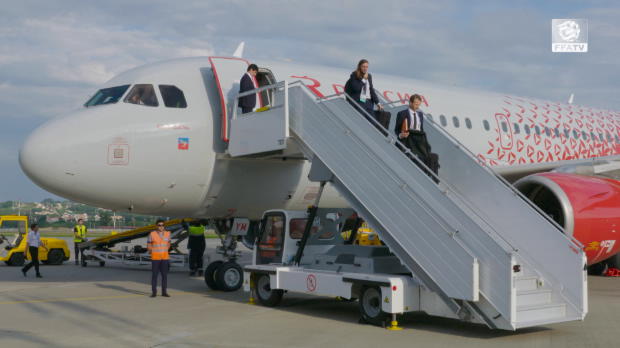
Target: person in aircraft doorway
column 248, row 82
column 410, row 130
column 360, row 88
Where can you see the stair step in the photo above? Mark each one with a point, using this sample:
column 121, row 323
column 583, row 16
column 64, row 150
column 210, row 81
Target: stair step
column 533, row 297
column 541, row 312
column 526, row 283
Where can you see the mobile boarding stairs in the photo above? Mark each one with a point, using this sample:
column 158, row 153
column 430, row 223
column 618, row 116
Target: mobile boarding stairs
column 486, row 252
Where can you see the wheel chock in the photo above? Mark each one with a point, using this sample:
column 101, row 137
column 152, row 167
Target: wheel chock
column 251, row 301
column 394, row 324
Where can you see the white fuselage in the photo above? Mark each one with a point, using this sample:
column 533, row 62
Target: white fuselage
column 173, row 162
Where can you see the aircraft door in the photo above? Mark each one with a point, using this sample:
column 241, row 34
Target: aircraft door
column 228, row 72
column 271, row 243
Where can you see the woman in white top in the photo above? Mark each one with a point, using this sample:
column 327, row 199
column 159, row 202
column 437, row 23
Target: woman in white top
column 360, row 88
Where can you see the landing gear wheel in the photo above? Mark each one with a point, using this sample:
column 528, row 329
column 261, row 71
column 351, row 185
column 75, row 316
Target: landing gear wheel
column 84, row 263
column 264, row 293
column 370, row 306
column 17, row 259
column 55, row 257
column 101, row 263
column 210, row 274
column 229, row 276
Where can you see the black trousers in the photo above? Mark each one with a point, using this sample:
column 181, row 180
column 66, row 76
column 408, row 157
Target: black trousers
column 78, row 252
column 419, row 146
column 195, row 259
column 159, row 266
column 34, row 254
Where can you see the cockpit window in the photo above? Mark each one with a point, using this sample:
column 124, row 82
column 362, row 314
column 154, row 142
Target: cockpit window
column 107, row 96
column 142, row 95
column 173, row 96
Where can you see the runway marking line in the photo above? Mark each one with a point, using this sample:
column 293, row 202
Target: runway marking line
column 70, row 299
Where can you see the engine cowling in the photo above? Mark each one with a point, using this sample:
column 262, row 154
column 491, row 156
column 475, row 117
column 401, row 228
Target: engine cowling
column 588, row 208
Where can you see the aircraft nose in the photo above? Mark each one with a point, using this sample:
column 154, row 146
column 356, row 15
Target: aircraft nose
column 40, row 157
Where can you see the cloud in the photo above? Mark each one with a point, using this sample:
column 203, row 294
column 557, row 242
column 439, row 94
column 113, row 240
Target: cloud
column 55, row 53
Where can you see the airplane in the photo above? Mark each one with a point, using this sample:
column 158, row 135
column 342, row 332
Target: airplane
column 153, row 140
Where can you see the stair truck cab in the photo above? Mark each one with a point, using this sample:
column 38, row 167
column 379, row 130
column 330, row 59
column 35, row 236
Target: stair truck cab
column 306, row 252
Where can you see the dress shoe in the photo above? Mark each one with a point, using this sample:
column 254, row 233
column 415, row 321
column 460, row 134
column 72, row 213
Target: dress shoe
column 39, row 276
column 165, row 295
column 153, row 295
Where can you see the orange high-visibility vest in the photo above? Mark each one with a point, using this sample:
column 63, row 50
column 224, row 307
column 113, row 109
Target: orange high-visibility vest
column 159, row 246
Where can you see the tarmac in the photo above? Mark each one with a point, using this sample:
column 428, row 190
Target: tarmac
column 73, row 306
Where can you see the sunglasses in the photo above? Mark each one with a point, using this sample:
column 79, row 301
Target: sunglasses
column 160, row 225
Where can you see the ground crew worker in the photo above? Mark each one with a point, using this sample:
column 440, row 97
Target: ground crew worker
column 196, row 245
column 158, row 245
column 32, row 245
column 79, row 236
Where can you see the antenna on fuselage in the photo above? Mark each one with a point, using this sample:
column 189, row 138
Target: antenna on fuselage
column 570, row 99
column 239, row 51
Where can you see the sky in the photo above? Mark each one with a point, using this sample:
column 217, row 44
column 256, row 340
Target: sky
column 54, row 54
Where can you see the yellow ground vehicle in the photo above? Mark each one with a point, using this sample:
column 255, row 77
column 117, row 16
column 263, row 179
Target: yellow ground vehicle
column 54, row 251
column 365, row 236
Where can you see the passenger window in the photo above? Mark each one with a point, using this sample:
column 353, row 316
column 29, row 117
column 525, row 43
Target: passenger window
column 297, row 227
column 608, row 137
column 584, row 135
column 442, row 120
column 107, row 96
column 142, row 95
column 504, row 127
column 557, row 132
column 527, row 129
column 517, row 130
column 600, row 136
column 575, row 134
column 537, row 130
column 429, row 116
column 617, row 139
column 547, row 131
column 272, row 236
column 467, row 123
column 485, row 124
column 455, row 121
column 592, row 136
column 173, row 97
column 566, row 133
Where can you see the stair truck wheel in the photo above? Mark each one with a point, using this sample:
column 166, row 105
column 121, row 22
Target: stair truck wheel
column 55, row 257
column 17, row 259
column 370, row 306
column 229, row 276
column 264, row 293
column 210, row 273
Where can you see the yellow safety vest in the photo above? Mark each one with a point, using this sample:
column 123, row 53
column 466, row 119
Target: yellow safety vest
column 79, row 233
column 197, row 230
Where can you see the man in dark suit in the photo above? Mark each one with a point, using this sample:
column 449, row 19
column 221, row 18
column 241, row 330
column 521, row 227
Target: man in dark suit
column 410, row 130
column 248, row 82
